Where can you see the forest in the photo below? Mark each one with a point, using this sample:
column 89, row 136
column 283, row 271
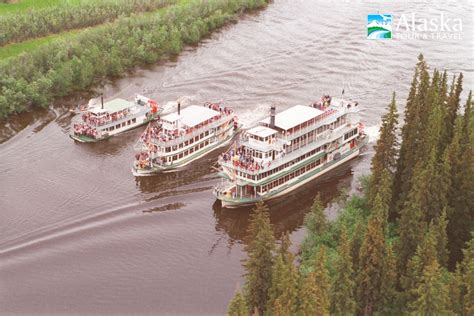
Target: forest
column 61, row 67
column 404, row 245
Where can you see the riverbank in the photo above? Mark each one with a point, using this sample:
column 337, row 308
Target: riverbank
column 66, row 65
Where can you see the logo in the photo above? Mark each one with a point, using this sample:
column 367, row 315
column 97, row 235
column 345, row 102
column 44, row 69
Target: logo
column 379, row 26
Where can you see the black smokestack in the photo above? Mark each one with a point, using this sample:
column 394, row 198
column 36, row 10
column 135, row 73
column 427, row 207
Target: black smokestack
column 272, row 116
column 102, row 100
column 179, row 108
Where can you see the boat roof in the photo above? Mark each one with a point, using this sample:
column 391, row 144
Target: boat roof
column 192, row 115
column 294, row 116
column 112, row 106
column 262, row 131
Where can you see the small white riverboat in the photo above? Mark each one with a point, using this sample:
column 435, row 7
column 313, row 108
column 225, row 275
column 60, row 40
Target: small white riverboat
column 179, row 138
column 103, row 120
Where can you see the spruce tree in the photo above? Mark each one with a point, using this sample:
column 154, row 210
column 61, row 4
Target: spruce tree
column 468, row 278
column 426, row 253
column 432, row 293
column 342, row 289
column 323, row 286
column 237, row 306
column 461, row 195
column 440, row 226
column 387, row 304
column 410, row 134
column 314, row 288
column 356, row 243
column 258, row 265
column 308, row 295
column 371, row 265
column 315, row 221
column 283, row 292
column 385, row 156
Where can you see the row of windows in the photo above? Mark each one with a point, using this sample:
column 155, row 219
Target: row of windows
column 288, row 177
column 188, row 142
column 350, row 134
column 111, row 128
column 187, row 151
column 265, row 174
column 312, row 136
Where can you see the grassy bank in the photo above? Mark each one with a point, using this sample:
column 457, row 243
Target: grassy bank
column 67, row 65
column 32, row 23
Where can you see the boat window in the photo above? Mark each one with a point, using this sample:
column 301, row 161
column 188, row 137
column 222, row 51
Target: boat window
column 134, row 120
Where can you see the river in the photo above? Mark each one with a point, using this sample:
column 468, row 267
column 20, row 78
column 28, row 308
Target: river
column 80, row 234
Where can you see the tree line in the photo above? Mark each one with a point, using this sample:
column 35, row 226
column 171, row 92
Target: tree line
column 35, row 23
column 403, row 247
column 62, row 67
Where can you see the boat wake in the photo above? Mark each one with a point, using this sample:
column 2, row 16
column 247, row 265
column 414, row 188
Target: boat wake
column 373, row 133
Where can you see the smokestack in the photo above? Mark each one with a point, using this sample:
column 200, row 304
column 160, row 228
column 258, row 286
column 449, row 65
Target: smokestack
column 272, row 116
column 179, row 108
column 102, row 100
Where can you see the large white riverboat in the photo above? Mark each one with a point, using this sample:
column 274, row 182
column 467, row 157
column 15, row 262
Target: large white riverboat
column 103, row 120
column 179, row 138
column 289, row 149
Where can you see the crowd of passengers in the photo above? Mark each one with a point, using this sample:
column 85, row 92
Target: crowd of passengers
column 154, row 131
column 85, row 130
column 94, row 120
column 240, row 158
column 323, row 103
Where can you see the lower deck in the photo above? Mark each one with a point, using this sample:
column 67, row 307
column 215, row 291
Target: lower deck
column 234, row 195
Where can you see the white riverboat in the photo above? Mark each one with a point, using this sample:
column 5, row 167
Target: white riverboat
column 103, row 120
column 179, row 138
column 289, row 149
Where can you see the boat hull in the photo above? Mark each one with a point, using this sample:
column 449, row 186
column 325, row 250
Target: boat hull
column 229, row 202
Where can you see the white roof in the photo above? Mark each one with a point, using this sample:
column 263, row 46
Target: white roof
column 294, row 116
column 262, row 131
column 192, row 115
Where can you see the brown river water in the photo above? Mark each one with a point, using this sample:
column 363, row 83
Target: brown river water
column 80, row 234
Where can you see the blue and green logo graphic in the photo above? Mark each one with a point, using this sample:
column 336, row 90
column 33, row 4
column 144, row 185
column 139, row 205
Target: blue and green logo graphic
column 379, row 26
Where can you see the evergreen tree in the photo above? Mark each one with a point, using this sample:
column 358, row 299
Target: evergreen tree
column 442, row 238
column 408, row 146
column 356, row 243
column 411, row 224
column 461, row 195
column 283, row 292
column 456, row 291
column 425, row 254
column 323, row 283
column 308, row 295
column 258, row 265
column 342, row 290
column 432, row 292
column 389, row 295
column 315, row 221
column 237, row 306
column 371, row 265
column 452, row 107
column 468, row 278
column 385, row 156
column 314, row 293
